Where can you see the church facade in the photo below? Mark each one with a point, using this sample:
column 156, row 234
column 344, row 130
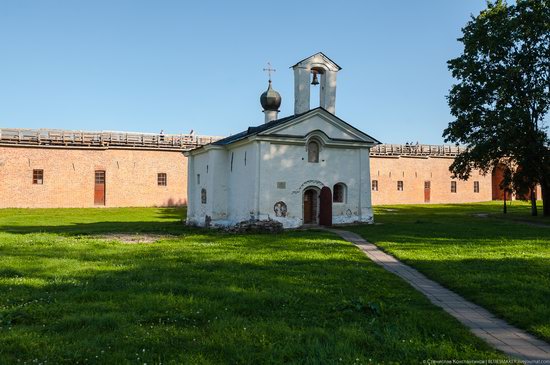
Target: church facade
column 308, row 168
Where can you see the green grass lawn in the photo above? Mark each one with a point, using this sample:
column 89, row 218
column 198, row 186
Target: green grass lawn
column 196, row 296
column 496, row 262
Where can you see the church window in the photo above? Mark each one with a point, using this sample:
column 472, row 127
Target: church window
column 374, row 185
column 161, row 179
column 232, row 161
column 339, row 193
column 400, row 185
column 203, row 196
column 245, row 158
column 38, row 177
column 313, row 152
column 198, row 179
column 453, row 186
column 476, row 186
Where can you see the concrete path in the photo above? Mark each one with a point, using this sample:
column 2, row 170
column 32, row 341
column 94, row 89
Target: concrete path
column 494, row 331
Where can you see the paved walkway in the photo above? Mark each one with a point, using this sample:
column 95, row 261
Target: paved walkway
column 494, row 331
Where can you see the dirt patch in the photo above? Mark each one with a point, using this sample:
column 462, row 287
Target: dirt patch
column 133, row 238
column 481, row 215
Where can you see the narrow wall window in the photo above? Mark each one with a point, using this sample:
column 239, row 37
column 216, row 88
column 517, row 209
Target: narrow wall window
column 198, row 179
column 339, row 193
column 161, row 179
column 476, row 186
column 453, row 186
column 38, row 177
column 374, row 185
column 400, row 185
column 203, row 196
column 313, row 152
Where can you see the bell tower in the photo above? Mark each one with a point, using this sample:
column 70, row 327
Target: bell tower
column 307, row 74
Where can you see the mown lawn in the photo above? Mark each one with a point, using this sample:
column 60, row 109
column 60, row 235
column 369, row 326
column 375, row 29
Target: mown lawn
column 67, row 296
column 495, row 261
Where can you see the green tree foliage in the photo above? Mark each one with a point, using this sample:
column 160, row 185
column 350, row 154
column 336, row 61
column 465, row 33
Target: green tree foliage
column 502, row 95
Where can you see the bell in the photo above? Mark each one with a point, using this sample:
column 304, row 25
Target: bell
column 315, row 80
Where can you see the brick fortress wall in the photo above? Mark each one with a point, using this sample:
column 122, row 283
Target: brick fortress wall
column 132, row 162
column 69, row 160
column 414, row 165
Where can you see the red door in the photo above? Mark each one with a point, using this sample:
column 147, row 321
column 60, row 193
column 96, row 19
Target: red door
column 427, row 191
column 310, row 206
column 99, row 188
column 325, row 214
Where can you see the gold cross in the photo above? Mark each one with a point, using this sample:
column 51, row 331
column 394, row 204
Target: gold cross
column 269, row 70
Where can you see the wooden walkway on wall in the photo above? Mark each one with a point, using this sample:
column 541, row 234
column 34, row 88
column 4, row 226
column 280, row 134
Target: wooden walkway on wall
column 52, row 137
column 65, row 138
column 416, row 150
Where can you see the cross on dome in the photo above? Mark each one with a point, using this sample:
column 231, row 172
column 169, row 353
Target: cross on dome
column 269, row 70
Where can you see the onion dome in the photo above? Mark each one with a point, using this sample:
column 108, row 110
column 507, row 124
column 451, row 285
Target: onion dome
column 270, row 99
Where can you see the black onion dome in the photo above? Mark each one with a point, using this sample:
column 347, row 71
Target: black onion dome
column 270, row 99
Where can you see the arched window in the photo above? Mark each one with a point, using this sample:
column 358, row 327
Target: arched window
column 313, row 152
column 203, row 196
column 339, row 192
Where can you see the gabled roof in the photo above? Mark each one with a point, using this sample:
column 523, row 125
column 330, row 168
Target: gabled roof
column 322, row 55
column 255, row 130
column 251, row 131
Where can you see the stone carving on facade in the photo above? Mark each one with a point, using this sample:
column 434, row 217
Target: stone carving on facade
column 280, row 209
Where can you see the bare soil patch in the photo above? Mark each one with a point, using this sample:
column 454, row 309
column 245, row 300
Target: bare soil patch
column 133, row 238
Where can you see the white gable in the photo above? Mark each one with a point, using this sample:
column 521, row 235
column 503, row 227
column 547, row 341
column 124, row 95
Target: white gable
column 320, row 120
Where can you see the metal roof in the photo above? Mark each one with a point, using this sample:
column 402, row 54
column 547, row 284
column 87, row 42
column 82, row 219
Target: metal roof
column 251, row 131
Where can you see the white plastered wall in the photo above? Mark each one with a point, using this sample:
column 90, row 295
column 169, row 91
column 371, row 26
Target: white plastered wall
column 242, row 183
column 288, row 165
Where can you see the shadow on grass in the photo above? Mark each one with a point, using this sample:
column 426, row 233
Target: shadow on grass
column 103, row 227
column 178, row 213
column 199, row 304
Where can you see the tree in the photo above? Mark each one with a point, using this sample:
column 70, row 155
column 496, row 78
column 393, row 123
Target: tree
column 502, row 95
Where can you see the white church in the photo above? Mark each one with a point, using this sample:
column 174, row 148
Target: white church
column 310, row 168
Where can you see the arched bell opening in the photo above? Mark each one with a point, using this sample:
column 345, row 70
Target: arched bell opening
column 317, row 86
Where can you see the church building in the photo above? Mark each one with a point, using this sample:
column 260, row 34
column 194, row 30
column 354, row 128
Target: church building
column 308, row 168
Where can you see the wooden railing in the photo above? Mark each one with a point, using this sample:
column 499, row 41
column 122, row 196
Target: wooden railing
column 54, row 137
column 416, row 150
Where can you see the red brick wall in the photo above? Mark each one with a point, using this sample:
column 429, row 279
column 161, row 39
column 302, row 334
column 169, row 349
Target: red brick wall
column 131, row 177
column 414, row 171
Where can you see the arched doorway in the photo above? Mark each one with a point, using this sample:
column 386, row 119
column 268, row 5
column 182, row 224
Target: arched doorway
column 318, row 206
column 311, row 206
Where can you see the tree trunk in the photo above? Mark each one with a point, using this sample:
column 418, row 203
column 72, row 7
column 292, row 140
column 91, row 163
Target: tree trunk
column 504, row 200
column 545, row 190
column 533, row 197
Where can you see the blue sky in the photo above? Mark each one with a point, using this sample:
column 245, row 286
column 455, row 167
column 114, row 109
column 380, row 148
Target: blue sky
column 180, row 65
